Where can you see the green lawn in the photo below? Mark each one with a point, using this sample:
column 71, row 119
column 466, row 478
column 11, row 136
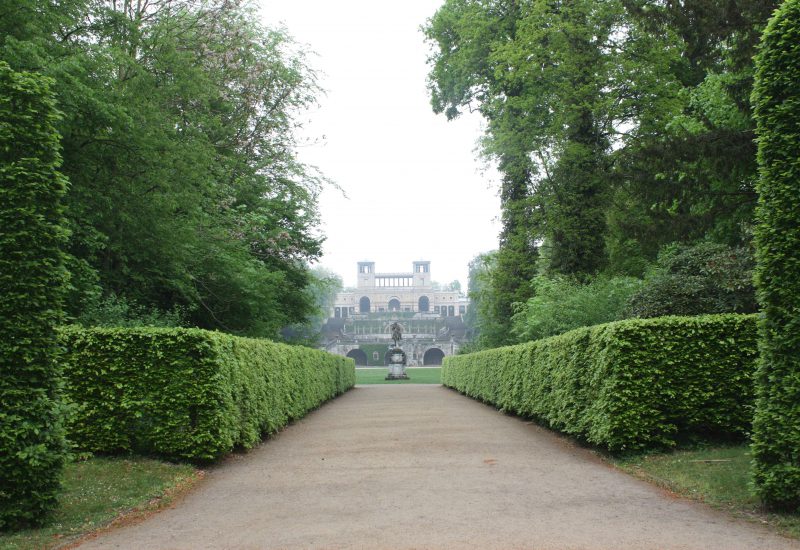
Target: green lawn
column 98, row 490
column 421, row 375
column 719, row 476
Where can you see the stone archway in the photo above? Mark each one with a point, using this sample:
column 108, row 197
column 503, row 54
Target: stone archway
column 424, row 304
column 358, row 356
column 433, row 356
column 363, row 305
column 394, row 304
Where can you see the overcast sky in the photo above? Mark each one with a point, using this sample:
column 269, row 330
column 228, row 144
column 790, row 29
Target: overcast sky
column 415, row 187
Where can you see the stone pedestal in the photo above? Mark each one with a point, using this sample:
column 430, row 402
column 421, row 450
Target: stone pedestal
column 397, row 365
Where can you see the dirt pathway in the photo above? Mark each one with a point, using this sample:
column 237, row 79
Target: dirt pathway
column 405, row 466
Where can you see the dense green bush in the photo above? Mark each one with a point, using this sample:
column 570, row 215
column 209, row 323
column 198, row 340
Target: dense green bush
column 32, row 281
column 625, row 386
column 776, row 428
column 560, row 304
column 189, row 393
column 694, row 280
column 118, row 311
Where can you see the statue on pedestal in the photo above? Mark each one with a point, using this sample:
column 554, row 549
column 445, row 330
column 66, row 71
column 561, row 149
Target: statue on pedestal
column 397, row 357
column 397, row 332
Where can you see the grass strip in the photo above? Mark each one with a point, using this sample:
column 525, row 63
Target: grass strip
column 416, row 375
column 100, row 491
column 718, row 476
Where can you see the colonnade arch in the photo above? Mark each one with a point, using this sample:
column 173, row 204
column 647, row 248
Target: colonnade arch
column 358, row 356
column 433, row 356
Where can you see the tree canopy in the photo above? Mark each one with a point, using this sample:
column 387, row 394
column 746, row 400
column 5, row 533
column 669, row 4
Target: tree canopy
column 187, row 202
column 619, row 127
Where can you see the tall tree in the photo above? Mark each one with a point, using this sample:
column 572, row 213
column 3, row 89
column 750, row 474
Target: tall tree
column 540, row 73
column 562, row 58
column 686, row 170
column 178, row 138
column 464, row 76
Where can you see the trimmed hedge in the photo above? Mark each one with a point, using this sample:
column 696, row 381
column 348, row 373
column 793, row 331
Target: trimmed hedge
column 32, row 283
column 189, row 393
column 776, row 427
column 625, row 386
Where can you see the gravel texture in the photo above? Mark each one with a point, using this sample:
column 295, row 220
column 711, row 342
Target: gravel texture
column 420, row 466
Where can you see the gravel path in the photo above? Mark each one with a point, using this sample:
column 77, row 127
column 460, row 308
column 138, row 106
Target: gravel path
column 413, row 466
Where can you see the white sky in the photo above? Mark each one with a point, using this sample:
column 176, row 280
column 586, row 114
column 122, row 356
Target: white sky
column 415, row 189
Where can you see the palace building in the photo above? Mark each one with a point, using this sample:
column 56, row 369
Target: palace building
column 431, row 320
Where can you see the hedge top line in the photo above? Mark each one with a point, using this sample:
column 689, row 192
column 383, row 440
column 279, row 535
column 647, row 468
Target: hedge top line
column 627, row 326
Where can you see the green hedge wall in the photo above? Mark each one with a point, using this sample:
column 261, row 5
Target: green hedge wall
column 189, row 393
column 625, row 386
column 369, row 349
column 776, row 427
column 32, row 282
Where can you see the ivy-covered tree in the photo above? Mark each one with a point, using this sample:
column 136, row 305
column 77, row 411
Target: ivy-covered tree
column 776, row 436
column 32, row 279
column 633, row 117
column 465, row 76
column 541, row 74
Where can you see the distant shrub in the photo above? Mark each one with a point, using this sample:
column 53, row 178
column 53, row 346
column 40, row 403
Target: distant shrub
column 694, row 280
column 625, row 386
column 32, row 282
column 776, row 433
column 561, row 304
column 118, row 311
column 188, row 393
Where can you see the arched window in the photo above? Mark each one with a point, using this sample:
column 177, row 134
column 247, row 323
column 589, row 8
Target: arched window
column 363, row 305
column 451, row 311
column 424, row 303
column 394, row 304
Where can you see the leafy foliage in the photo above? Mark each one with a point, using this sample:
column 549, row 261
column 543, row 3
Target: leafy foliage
column 179, row 142
column 114, row 311
column 188, row 393
column 686, row 171
column 560, row 304
column 776, row 439
column 488, row 317
column 32, row 279
column 618, row 127
column 322, row 288
column 464, row 77
column 693, row 280
column 625, row 386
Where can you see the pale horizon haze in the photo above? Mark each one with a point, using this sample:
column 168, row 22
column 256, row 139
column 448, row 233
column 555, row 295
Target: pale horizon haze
column 415, row 187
